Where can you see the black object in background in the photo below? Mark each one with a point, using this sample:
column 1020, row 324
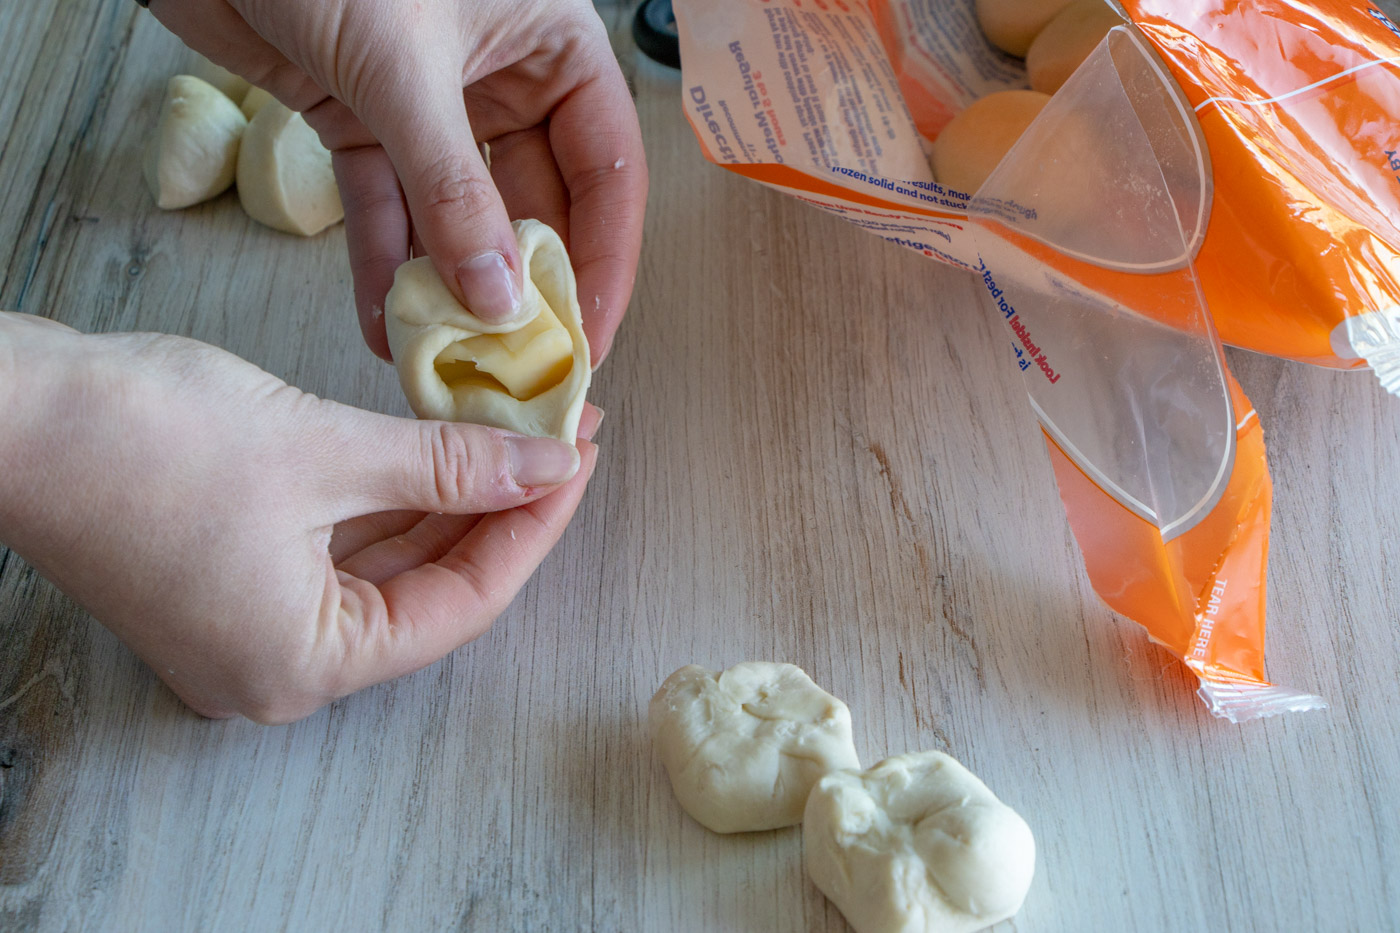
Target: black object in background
column 654, row 30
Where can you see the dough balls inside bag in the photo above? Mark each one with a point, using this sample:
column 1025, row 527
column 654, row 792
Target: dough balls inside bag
column 916, row 844
column 285, row 179
column 979, row 137
column 1012, row 25
column 744, row 747
column 1067, row 41
column 529, row 375
column 194, row 152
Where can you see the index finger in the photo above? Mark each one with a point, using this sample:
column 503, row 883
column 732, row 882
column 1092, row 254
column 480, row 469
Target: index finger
column 597, row 144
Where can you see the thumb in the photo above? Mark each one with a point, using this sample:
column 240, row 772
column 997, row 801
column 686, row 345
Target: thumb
column 388, row 463
column 457, row 211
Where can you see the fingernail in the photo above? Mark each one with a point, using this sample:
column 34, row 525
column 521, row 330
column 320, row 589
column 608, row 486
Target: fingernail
column 490, row 287
column 593, row 428
column 599, row 357
column 541, row 461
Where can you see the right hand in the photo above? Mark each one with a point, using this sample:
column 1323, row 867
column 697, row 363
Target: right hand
column 403, row 94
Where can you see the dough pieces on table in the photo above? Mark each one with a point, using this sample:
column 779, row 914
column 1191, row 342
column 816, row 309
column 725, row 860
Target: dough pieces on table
column 974, row 141
column 254, row 100
column 917, row 843
column 1066, row 41
column 1012, row 25
column 285, row 179
column 229, row 84
column 529, row 375
column 193, row 154
column 744, row 747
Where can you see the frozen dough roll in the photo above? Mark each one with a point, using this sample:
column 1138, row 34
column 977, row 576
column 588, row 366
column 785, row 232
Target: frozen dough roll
column 979, row 137
column 529, row 375
column 744, row 747
column 285, row 179
column 916, row 844
column 194, row 152
column 1066, row 41
column 1012, row 25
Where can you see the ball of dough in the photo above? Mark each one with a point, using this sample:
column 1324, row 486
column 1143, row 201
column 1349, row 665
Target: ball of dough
column 744, row 747
column 917, row 843
column 229, row 84
column 1011, row 25
column 285, row 179
column 979, row 137
column 1066, row 41
column 193, row 154
column 529, row 375
column 254, row 100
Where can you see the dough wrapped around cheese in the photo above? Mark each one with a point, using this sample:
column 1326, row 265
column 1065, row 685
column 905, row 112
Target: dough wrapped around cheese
column 529, row 375
column 915, row 844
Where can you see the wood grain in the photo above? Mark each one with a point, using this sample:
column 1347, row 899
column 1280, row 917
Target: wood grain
column 814, row 453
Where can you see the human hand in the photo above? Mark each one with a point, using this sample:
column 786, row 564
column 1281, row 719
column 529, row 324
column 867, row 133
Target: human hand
column 403, row 93
column 263, row 550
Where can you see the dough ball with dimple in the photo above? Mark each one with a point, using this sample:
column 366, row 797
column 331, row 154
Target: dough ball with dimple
column 528, row 375
column 744, row 747
column 285, row 179
column 916, row 844
column 1012, row 25
column 979, row 137
column 229, row 84
column 193, row 154
column 1066, row 41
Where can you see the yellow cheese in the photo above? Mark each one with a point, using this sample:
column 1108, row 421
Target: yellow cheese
column 525, row 362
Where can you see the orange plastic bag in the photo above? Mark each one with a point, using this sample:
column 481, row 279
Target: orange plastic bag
column 1227, row 172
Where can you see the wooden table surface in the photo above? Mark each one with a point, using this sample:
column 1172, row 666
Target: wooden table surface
column 814, row 452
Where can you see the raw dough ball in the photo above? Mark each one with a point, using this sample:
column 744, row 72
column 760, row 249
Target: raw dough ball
column 743, row 748
column 254, row 100
column 916, row 844
column 1066, row 41
column 229, row 84
column 285, row 179
column 979, row 137
column 1011, row 25
column 192, row 156
column 528, row 376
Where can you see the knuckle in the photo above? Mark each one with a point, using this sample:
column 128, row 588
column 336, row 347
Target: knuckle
column 456, row 462
column 450, row 187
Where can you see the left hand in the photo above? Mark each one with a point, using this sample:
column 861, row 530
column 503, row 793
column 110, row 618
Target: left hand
column 263, row 550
